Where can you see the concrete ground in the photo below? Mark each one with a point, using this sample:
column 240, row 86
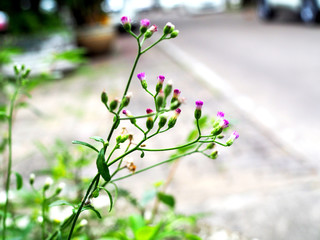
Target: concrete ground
column 256, row 187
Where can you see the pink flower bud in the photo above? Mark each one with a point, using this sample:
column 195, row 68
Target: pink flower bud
column 233, row 137
column 153, row 28
column 176, row 93
column 199, row 105
column 125, row 20
column 220, row 115
column 145, row 23
column 161, row 79
column 149, row 111
column 224, row 123
column 141, row 76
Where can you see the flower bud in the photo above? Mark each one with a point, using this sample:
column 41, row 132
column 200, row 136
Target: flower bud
column 162, row 121
column 122, row 138
column 150, row 31
column 126, row 22
column 104, row 97
column 160, row 83
column 233, row 137
column 160, row 99
column 95, row 193
column 214, row 154
column 126, row 100
column 168, row 28
column 197, row 112
column 128, row 114
column 150, row 121
column 144, row 24
column 114, row 104
column 222, row 124
column 172, row 121
column 31, row 178
column 210, row 145
column 60, row 188
column 47, row 184
column 142, row 78
column 176, row 93
column 174, row 34
column 168, row 89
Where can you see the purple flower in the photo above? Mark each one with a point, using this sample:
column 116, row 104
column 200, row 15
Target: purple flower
column 220, row 115
column 176, row 93
column 224, row 123
column 125, row 112
column 149, row 110
column 161, row 79
column 177, row 111
column 141, row 76
column 199, row 104
column 233, row 137
column 125, row 20
column 145, row 23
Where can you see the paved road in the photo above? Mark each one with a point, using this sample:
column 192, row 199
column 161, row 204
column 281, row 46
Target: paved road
column 274, row 67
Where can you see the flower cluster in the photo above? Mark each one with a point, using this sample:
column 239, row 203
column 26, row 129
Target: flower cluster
column 147, row 30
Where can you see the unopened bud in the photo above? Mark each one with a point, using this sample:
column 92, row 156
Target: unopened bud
column 95, row 193
column 168, row 28
column 150, row 31
column 233, row 137
column 32, row 178
column 114, row 104
column 150, row 121
column 168, row 89
column 60, row 188
column 174, row 34
column 162, row 121
column 160, row 99
column 47, row 184
column 104, row 97
column 214, row 155
column 144, row 25
column 210, row 146
column 197, row 112
column 126, row 100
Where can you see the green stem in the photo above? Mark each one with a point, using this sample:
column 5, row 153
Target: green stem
column 96, row 178
column 155, row 165
column 12, row 103
column 152, row 45
column 168, row 149
column 43, row 225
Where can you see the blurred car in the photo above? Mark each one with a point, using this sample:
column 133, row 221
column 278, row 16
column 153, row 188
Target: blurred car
column 4, row 21
column 309, row 10
column 207, row 6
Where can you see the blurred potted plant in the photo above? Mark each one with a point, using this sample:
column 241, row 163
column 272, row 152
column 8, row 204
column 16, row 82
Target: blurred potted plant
column 93, row 31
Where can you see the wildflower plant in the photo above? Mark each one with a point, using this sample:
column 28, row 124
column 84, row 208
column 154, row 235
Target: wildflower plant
column 115, row 152
column 156, row 122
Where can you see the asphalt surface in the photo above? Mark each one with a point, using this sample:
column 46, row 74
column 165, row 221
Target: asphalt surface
column 273, row 68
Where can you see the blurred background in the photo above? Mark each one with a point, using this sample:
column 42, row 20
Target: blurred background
column 258, row 61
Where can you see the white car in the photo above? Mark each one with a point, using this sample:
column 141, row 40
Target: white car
column 309, row 10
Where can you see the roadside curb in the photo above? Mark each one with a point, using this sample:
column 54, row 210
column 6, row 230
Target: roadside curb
column 251, row 111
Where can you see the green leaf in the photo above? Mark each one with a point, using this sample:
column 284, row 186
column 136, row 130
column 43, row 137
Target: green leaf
column 146, row 233
column 19, row 180
column 136, row 222
column 166, row 199
column 3, row 115
column 60, row 203
column 85, row 144
column 102, row 166
column 189, row 236
column 110, row 198
column 98, row 139
column 91, row 208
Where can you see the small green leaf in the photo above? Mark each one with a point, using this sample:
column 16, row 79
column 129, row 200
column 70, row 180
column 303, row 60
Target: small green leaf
column 189, row 236
column 110, row 198
column 166, row 199
column 146, row 233
column 19, row 180
column 85, row 144
column 102, row 166
column 136, row 222
column 91, row 208
column 98, row 139
column 60, row 203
